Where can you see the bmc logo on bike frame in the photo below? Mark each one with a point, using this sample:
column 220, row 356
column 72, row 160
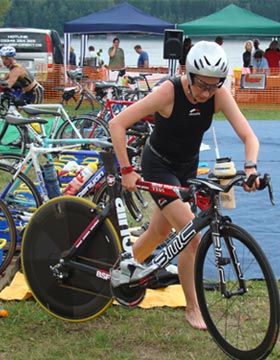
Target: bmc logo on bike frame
column 174, row 248
column 123, row 224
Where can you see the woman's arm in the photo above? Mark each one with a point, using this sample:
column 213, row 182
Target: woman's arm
column 225, row 102
column 13, row 76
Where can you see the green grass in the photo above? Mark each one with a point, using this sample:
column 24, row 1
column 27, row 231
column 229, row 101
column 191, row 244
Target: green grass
column 119, row 334
column 255, row 114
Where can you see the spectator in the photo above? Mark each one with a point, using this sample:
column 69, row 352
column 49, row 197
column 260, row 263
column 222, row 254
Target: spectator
column 247, row 55
column 104, row 72
column 186, row 48
column 256, row 43
column 143, row 59
column 116, row 56
column 272, row 55
column 72, row 57
column 219, row 40
column 92, row 59
column 260, row 64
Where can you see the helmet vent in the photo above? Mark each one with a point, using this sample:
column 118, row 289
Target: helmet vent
column 197, row 66
column 206, row 60
column 224, row 67
column 218, row 62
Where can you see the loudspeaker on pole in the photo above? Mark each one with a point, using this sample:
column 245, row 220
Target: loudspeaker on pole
column 173, row 44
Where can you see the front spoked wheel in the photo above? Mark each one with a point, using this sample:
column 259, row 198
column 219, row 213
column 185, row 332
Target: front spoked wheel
column 79, row 292
column 245, row 326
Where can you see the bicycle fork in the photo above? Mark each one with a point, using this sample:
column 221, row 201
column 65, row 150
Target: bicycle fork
column 221, row 262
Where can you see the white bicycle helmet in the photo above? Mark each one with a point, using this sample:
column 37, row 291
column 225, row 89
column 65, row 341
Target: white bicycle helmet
column 8, row 51
column 207, row 58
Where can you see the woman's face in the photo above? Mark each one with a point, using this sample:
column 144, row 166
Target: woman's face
column 204, row 87
column 7, row 61
column 248, row 46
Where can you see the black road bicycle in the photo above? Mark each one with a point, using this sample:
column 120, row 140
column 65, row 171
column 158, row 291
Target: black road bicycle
column 71, row 245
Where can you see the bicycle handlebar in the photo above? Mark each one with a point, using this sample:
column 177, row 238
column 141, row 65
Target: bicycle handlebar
column 209, row 185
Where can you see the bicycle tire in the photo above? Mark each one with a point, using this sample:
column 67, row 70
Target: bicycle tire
column 16, row 196
column 53, row 229
column 243, row 326
column 88, row 127
column 8, row 237
column 10, row 158
column 82, row 99
column 21, row 196
column 11, row 134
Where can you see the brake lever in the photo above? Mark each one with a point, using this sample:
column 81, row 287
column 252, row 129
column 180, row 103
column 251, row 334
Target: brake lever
column 267, row 182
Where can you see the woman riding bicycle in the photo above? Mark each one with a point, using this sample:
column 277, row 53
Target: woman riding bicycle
column 184, row 107
column 31, row 91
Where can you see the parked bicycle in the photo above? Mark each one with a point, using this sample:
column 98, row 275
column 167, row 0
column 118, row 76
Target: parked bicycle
column 62, row 125
column 7, row 237
column 24, row 186
column 72, row 249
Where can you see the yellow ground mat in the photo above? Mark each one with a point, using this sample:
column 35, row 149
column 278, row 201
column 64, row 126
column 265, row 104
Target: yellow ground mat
column 171, row 296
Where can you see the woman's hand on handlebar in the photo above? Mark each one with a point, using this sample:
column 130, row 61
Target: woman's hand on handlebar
column 129, row 181
column 255, row 185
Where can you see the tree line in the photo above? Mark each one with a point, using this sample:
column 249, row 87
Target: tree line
column 52, row 14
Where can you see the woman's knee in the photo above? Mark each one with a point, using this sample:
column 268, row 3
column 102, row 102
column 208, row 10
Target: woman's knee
column 158, row 234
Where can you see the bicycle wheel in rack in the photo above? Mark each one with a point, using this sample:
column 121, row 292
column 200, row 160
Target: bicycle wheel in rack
column 10, row 158
column 12, row 138
column 87, row 126
column 81, row 295
column 8, row 238
column 245, row 326
column 20, row 195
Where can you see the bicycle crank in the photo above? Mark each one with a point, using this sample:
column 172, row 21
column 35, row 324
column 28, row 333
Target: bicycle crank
column 128, row 295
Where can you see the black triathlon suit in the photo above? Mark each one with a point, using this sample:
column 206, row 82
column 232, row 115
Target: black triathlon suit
column 33, row 96
column 171, row 155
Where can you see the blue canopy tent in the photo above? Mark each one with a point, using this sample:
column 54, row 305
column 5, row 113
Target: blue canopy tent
column 122, row 18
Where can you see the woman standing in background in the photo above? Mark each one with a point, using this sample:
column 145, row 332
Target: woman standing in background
column 247, row 55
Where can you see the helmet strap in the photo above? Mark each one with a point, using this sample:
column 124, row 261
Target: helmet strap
column 190, row 92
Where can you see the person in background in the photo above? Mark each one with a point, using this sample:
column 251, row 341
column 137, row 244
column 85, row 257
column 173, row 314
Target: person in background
column 31, row 91
column 104, row 72
column 184, row 107
column 116, row 56
column 219, row 40
column 260, row 64
column 21, row 82
column 143, row 59
column 92, row 59
column 247, row 55
column 72, row 57
column 256, row 43
column 272, row 55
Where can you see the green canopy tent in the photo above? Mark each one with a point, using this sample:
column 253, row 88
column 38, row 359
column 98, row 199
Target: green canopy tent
column 231, row 20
